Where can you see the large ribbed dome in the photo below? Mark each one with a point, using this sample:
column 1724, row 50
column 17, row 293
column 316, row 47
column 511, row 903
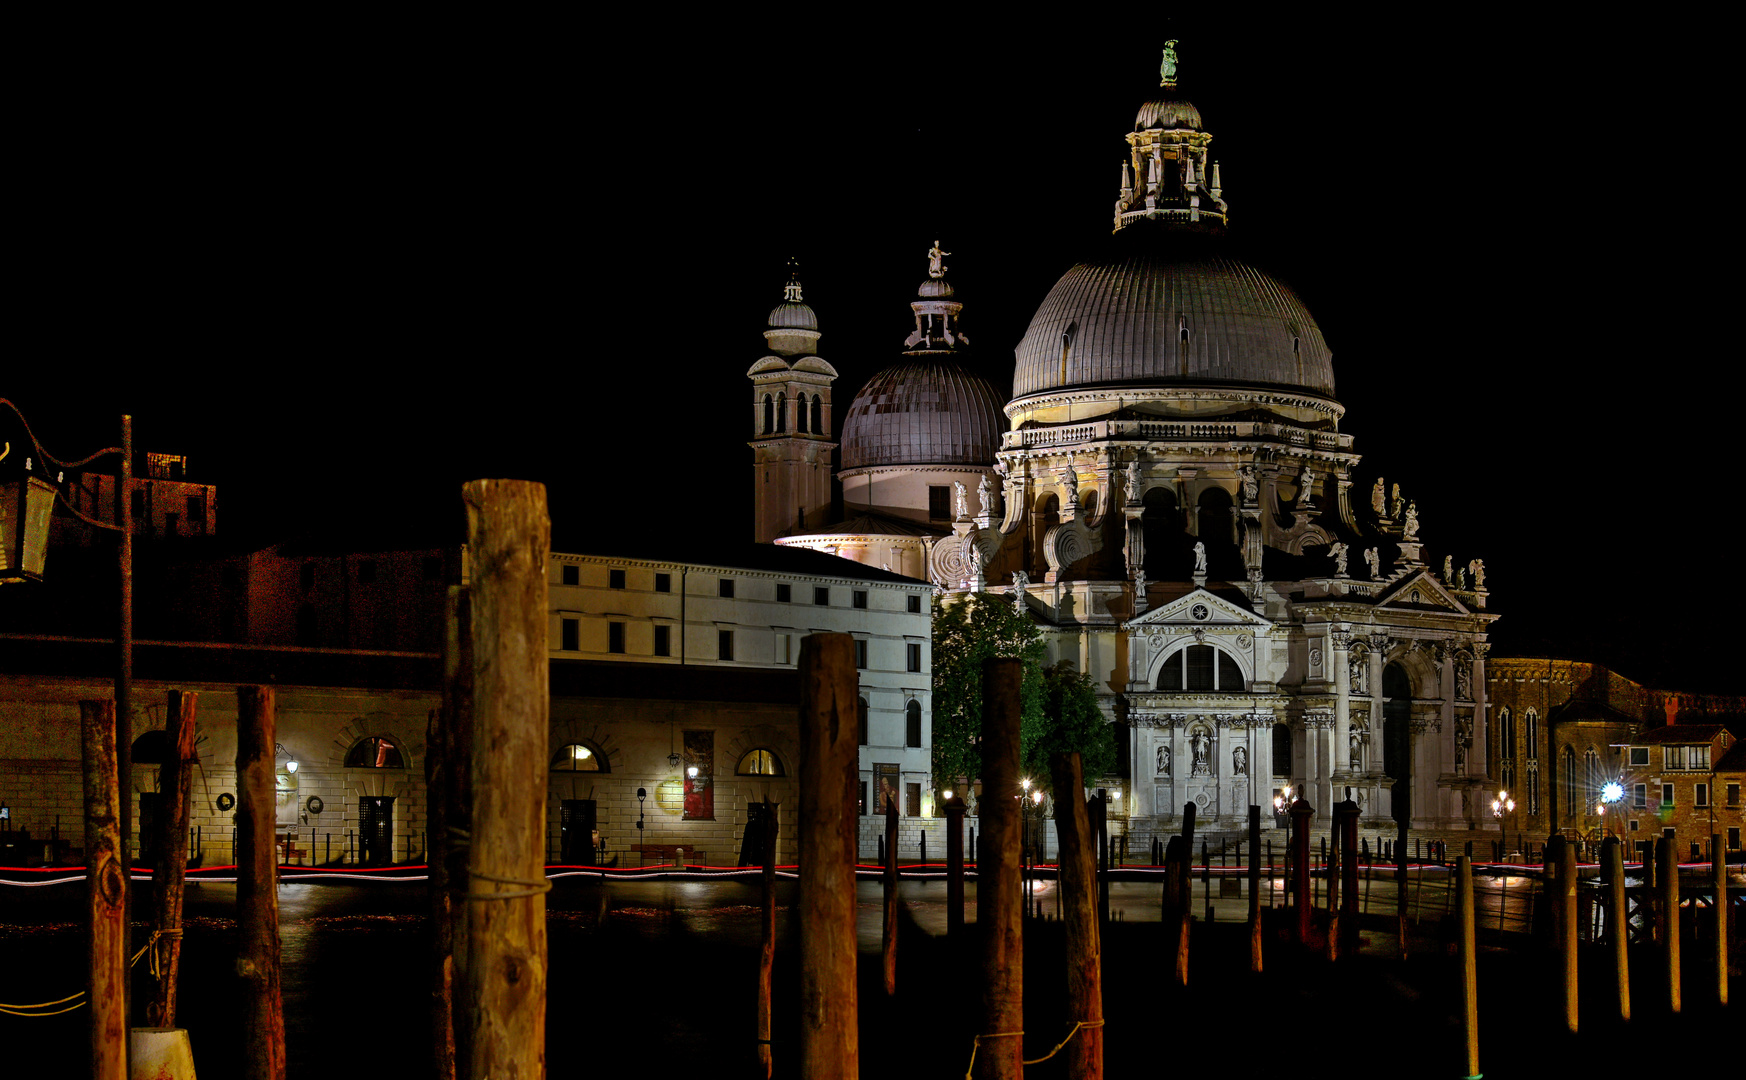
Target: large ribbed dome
column 1122, row 320
column 923, row 411
column 793, row 315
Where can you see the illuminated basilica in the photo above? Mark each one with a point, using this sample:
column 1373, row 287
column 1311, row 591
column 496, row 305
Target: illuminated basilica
column 1168, row 491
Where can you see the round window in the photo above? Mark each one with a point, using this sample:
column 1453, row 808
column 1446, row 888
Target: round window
column 1200, row 613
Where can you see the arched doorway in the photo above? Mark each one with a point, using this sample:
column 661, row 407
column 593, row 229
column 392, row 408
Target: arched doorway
column 1218, row 531
column 1163, row 530
column 1397, row 738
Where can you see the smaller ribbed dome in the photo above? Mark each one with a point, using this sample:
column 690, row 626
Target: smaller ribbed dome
column 1167, row 114
column 923, row 411
column 793, row 315
column 934, row 288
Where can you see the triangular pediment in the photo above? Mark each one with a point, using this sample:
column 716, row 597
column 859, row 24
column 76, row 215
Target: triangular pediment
column 1421, row 590
column 1199, row 608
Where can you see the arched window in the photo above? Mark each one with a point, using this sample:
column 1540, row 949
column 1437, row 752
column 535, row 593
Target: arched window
column 781, row 412
column 800, row 414
column 374, row 752
column 1595, row 779
column 1506, row 750
column 1201, row 667
column 760, row 763
column 1281, row 750
column 578, row 757
column 153, row 748
column 769, row 414
column 1573, row 797
column 1533, row 726
column 912, row 723
column 818, row 414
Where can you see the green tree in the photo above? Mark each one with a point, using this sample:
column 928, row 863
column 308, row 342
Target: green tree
column 967, row 631
column 1072, row 722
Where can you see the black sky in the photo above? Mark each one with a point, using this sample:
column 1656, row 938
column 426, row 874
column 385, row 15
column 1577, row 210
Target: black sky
column 346, row 271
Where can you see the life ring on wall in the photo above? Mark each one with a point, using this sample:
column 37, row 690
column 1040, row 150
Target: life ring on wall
column 314, row 804
column 226, row 801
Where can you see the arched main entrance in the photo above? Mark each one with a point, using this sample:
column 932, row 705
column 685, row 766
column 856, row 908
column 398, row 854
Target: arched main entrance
column 1397, row 739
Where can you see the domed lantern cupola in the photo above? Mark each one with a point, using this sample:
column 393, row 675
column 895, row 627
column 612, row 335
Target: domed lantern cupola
column 1168, row 178
column 791, row 421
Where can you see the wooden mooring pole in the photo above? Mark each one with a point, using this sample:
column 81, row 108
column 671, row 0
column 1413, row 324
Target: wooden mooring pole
column 1301, row 815
column 1000, row 1053
column 829, row 757
column 1076, row 888
column 106, row 893
column 955, row 867
column 1467, row 945
column 1567, row 927
column 888, row 938
column 1719, row 908
column 172, row 844
column 455, row 791
column 1668, row 916
column 257, row 892
column 767, row 943
column 437, row 764
column 509, row 545
column 1618, row 920
column 1346, row 821
column 1255, row 889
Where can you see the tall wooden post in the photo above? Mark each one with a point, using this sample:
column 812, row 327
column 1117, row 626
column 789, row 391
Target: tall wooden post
column 456, row 792
column 1565, row 903
column 1467, row 944
column 107, row 895
column 257, row 892
column 1347, row 819
column 888, row 938
column 1618, row 920
column 767, row 944
column 1719, row 887
column 124, row 691
column 172, row 844
column 1077, row 889
column 509, row 543
column 438, row 764
column 829, row 757
column 955, row 867
column 1001, row 1053
column 1301, row 815
column 1668, row 871
column 1255, row 889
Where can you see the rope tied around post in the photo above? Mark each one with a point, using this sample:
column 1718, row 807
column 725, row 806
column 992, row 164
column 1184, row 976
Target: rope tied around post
column 533, row 888
column 977, row 1041
column 78, row 999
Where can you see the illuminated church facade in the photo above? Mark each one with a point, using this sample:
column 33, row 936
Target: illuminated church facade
column 1167, row 490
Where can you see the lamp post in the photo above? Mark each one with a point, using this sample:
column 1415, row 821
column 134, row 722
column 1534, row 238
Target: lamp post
column 1500, row 806
column 24, row 525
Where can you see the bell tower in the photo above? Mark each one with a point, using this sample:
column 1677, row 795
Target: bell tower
column 791, row 423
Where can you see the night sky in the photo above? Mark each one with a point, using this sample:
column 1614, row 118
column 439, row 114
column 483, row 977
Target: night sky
column 348, row 276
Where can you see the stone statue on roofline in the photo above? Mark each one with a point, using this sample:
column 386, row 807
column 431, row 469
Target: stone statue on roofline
column 1251, row 486
column 985, row 495
column 1339, row 553
column 1132, row 482
column 1478, row 568
column 1306, row 483
column 1374, row 558
column 1448, row 569
column 962, row 501
column 1167, row 66
column 936, row 261
column 1378, row 499
column 1411, row 529
column 1199, row 557
column 1460, row 578
column 1395, row 502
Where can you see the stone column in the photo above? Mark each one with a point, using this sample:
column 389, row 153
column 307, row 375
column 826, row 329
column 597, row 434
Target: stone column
column 1340, row 640
column 1480, row 750
column 1379, row 646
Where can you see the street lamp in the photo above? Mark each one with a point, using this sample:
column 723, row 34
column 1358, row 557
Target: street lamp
column 1500, row 806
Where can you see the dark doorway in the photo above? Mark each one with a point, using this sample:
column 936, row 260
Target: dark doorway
column 151, row 809
column 1169, row 550
column 576, row 832
column 1397, row 739
column 376, row 830
column 1218, row 531
column 752, row 843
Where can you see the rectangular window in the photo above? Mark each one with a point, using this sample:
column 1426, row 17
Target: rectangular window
column 1700, row 795
column 1640, row 756
column 663, row 640
column 1666, row 794
column 784, row 592
column 1734, row 839
column 1698, row 757
column 1733, row 795
column 939, row 502
column 912, row 725
column 615, row 579
column 1634, row 825
column 1640, row 796
column 663, row 582
column 859, row 598
column 821, row 596
column 1673, row 757
column 861, row 798
column 861, row 652
column 1669, row 834
column 912, row 653
column 727, row 588
column 615, row 637
column 571, row 636
column 724, row 644
column 912, row 800
column 914, row 605
column 570, row 575
column 197, row 511
column 1200, row 667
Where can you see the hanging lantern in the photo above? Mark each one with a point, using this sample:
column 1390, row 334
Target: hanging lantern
column 25, row 505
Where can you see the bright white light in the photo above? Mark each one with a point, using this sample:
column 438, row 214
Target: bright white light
column 1116, row 794
column 947, row 793
column 1027, row 783
column 290, row 766
column 1037, row 797
column 1612, row 792
column 691, row 771
column 580, row 752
